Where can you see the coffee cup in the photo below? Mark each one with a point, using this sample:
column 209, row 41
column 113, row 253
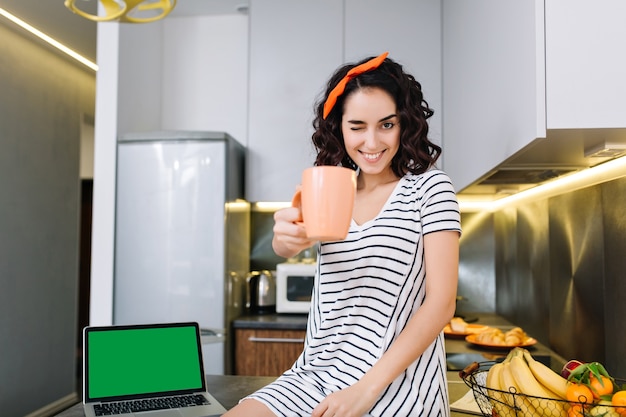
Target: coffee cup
column 326, row 199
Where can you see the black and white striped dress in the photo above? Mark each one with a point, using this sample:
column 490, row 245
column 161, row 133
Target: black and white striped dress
column 367, row 288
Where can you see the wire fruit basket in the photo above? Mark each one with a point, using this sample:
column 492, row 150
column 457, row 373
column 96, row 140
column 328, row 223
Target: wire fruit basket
column 499, row 403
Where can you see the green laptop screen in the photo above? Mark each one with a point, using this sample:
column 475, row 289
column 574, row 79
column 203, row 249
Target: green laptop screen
column 134, row 361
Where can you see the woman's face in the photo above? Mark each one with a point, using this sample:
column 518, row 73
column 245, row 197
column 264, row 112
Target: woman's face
column 371, row 130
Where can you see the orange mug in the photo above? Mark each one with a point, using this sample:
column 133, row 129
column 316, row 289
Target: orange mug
column 326, row 199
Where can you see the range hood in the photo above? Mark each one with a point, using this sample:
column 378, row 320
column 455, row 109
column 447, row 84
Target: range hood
column 561, row 152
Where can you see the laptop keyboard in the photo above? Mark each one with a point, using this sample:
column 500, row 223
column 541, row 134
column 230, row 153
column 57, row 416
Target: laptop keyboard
column 134, row 406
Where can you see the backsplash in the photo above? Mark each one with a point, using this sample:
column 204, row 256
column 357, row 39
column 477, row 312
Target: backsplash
column 262, row 255
column 556, row 268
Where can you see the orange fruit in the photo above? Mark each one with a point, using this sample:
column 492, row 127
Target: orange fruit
column 575, row 410
column 619, row 402
column 600, row 387
column 579, row 393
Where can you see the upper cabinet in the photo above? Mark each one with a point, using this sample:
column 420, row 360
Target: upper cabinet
column 514, row 69
column 296, row 46
column 585, row 63
column 494, row 83
column 410, row 31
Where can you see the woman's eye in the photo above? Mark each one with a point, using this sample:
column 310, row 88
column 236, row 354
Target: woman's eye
column 388, row 125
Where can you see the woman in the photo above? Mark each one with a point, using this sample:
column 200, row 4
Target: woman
column 382, row 296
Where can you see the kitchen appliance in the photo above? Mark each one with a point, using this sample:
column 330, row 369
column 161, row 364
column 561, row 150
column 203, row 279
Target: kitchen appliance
column 182, row 234
column 261, row 297
column 294, row 286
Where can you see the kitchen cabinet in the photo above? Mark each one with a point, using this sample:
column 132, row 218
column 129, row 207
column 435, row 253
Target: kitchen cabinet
column 514, row 70
column 585, row 63
column 493, row 74
column 295, row 47
column 266, row 352
column 367, row 33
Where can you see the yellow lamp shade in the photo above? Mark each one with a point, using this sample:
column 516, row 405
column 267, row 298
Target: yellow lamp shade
column 129, row 11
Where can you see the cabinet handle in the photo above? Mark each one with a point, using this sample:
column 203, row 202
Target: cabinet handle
column 275, row 339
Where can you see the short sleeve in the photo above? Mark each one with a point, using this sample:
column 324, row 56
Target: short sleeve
column 439, row 207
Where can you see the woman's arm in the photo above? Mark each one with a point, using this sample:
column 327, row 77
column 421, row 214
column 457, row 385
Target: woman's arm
column 441, row 256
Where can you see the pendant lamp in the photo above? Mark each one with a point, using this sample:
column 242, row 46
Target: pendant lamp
column 126, row 11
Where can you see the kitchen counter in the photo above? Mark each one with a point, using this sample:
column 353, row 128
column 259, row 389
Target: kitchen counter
column 271, row 321
column 228, row 389
column 454, row 346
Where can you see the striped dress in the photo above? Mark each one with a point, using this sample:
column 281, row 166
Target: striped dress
column 367, row 287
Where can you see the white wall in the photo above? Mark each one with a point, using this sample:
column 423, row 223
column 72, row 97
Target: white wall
column 205, row 74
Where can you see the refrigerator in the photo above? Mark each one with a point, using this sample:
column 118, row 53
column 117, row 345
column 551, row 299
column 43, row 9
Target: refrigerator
column 182, row 235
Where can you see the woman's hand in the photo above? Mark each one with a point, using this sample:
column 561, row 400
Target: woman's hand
column 289, row 236
column 354, row 401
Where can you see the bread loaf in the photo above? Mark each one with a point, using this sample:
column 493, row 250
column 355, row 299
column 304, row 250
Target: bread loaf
column 494, row 336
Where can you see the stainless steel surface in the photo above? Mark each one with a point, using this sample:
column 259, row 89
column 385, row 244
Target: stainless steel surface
column 476, row 265
column 559, row 270
column 577, row 268
column 523, row 290
column 261, row 292
column 614, row 223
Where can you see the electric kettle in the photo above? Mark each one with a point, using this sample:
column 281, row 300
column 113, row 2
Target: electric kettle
column 261, row 296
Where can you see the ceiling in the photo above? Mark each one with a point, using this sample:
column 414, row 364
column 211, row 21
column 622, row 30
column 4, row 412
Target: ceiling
column 79, row 34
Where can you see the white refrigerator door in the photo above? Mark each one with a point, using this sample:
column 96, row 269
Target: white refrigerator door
column 169, row 245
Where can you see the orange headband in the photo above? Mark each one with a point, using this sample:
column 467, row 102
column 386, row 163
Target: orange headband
column 354, row 72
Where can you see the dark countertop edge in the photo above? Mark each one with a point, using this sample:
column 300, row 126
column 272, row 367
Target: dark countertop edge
column 271, row 321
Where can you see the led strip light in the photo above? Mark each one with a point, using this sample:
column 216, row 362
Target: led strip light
column 604, row 172
column 48, row 39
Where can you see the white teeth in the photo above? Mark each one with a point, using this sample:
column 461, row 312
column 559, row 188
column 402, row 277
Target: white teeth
column 371, row 156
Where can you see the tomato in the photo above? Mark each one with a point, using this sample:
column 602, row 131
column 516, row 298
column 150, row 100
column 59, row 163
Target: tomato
column 619, row 402
column 579, row 393
column 600, row 387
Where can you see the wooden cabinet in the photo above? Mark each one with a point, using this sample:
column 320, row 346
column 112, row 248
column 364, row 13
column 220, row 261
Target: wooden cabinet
column 266, row 352
column 513, row 70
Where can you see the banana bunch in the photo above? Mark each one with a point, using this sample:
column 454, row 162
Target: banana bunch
column 521, row 385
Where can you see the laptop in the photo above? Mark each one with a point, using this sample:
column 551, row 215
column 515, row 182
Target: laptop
column 147, row 370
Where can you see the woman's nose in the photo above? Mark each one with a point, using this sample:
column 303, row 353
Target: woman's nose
column 370, row 139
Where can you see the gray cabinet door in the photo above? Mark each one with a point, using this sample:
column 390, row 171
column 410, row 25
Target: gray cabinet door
column 294, row 47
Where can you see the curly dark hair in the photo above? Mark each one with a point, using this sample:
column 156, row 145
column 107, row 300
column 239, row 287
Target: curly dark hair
column 416, row 153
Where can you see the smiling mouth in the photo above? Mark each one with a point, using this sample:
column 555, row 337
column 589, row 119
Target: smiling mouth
column 371, row 156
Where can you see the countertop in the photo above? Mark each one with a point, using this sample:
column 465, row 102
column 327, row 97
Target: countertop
column 453, row 346
column 271, row 321
column 228, row 389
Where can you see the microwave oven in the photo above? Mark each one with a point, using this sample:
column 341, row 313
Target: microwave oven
column 294, row 286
